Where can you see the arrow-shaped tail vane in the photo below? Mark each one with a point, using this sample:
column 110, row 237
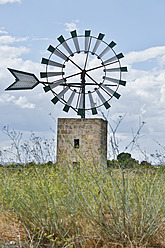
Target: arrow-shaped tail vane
column 23, row 80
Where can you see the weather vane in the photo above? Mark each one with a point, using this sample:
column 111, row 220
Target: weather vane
column 83, row 72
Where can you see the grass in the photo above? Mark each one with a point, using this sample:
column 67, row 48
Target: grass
column 61, row 207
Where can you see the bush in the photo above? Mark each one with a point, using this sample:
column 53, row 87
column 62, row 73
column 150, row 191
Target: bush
column 126, row 161
column 146, row 164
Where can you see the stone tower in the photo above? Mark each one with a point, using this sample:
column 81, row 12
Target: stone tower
column 82, row 140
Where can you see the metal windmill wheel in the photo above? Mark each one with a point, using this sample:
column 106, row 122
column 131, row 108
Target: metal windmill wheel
column 83, row 72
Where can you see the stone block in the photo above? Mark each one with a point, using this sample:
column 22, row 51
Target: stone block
column 92, row 135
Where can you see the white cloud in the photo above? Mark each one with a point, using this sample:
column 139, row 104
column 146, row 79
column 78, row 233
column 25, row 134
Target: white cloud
column 10, row 52
column 71, row 26
column 5, row 98
column 7, row 39
column 143, row 96
column 40, row 39
column 140, row 56
column 10, row 58
column 2, row 31
column 21, row 101
column 9, row 1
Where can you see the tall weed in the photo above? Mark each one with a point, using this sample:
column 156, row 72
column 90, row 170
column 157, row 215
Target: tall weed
column 90, row 207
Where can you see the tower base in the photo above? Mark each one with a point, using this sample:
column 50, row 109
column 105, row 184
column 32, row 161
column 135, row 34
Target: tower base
column 82, row 141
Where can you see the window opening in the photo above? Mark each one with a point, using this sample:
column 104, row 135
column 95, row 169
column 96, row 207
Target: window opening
column 76, row 166
column 76, row 143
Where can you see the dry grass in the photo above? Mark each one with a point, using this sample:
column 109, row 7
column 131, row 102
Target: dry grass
column 10, row 228
column 80, row 210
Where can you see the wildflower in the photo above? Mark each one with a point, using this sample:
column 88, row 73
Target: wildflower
column 49, row 236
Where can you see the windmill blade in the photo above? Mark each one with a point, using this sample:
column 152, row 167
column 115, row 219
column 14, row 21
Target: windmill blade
column 87, row 36
column 51, row 74
column 61, row 94
column 122, row 69
column 114, row 80
column 23, row 80
column 113, row 93
column 80, row 108
column 98, row 41
column 65, row 45
column 93, row 108
column 69, row 102
column 105, row 103
column 110, row 46
column 57, row 53
column 115, row 58
column 75, row 40
column 52, row 63
column 52, row 86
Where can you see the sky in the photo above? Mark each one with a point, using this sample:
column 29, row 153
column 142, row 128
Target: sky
column 28, row 27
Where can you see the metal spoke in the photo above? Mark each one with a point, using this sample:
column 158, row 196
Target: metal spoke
column 71, row 61
column 50, row 74
column 75, row 40
column 113, row 93
column 87, row 37
column 105, row 103
column 50, row 87
column 51, row 63
column 87, row 53
column 61, row 94
column 98, row 41
column 110, row 46
column 65, row 45
column 69, row 102
column 118, row 69
column 100, row 66
column 100, row 85
column 93, row 105
column 116, row 57
column 75, row 74
column 57, row 52
column 114, row 80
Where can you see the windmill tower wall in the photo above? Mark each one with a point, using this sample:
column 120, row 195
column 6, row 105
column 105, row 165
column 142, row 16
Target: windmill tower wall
column 81, row 140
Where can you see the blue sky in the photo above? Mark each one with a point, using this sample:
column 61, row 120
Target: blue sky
column 28, row 27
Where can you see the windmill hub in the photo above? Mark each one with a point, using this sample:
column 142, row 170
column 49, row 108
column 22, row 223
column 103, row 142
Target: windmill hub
column 76, row 80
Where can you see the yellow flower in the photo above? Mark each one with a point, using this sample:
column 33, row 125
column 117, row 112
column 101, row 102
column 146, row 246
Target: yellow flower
column 49, row 236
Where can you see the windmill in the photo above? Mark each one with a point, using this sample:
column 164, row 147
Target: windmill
column 84, row 73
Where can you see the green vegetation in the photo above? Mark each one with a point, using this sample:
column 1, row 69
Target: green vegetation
column 125, row 161
column 53, row 206
column 43, row 204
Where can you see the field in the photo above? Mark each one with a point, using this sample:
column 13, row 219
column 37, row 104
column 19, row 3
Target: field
column 47, row 206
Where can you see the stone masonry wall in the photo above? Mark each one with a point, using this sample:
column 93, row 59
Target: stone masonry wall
column 92, row 136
